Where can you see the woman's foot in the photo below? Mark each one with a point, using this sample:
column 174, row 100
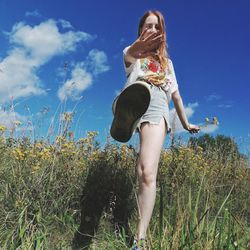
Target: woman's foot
column 139, row 245
column 128, row 108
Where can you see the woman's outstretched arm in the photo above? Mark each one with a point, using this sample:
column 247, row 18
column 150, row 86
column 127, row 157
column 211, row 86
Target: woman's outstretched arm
column 181, row 113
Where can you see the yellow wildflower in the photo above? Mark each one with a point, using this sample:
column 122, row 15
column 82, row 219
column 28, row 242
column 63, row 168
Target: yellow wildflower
column 45, row 154
column 60, row 139
column 18, row 154
column 67, row 116
column 2, row 129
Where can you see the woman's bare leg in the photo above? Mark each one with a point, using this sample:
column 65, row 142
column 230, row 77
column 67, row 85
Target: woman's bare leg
column 151, row 142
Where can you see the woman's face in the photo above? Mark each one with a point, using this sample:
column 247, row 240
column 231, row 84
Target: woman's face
column 151, row 24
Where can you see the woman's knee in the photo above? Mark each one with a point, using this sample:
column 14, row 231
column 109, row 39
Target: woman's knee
column 147, row 173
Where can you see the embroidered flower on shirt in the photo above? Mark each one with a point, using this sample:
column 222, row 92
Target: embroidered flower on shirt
column 153, row 67
column 155, row 74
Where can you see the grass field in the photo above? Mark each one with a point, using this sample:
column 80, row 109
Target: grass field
column 71, row 194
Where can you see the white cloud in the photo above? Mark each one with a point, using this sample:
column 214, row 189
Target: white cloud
column 97, row 62
column 212, row 97
column 225, row 106
column 72, row 88
column 44, row 40
column 32, row 47
column 8, row 118
column 65, row 24
column 189, row 110
column 175, row 121
column 83, row 74
column 18, row 78
column 34, row 13
column 209, row 128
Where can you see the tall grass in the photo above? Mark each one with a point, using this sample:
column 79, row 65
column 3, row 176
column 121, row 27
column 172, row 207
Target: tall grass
column 71, row 194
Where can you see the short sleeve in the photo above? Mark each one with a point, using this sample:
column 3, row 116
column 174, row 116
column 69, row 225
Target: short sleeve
column 129, row 69
column 174, row 84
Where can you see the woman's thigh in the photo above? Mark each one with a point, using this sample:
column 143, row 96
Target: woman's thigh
column 151, row 141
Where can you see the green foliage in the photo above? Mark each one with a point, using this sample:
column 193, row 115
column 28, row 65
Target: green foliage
column 73, row 194
column 226, row 146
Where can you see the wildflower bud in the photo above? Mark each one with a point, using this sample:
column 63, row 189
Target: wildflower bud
column 215, row 121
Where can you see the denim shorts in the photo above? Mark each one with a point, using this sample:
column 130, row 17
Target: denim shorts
column 158, row 108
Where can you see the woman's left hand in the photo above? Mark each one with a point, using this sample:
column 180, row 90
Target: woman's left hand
column 192, row 129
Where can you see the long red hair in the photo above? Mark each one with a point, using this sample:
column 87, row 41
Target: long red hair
column 162, row 54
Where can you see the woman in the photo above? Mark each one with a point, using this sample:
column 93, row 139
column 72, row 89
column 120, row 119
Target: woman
column 147, row 60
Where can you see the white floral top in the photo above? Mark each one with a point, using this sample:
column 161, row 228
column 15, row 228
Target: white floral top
column 151, row 71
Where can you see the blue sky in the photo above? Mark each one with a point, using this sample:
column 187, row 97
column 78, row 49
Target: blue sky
column 52, row 50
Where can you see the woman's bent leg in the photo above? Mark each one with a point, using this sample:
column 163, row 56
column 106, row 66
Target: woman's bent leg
column 151, row 142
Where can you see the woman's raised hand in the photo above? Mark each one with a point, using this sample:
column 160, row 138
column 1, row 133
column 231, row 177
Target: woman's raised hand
column 146, row 44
